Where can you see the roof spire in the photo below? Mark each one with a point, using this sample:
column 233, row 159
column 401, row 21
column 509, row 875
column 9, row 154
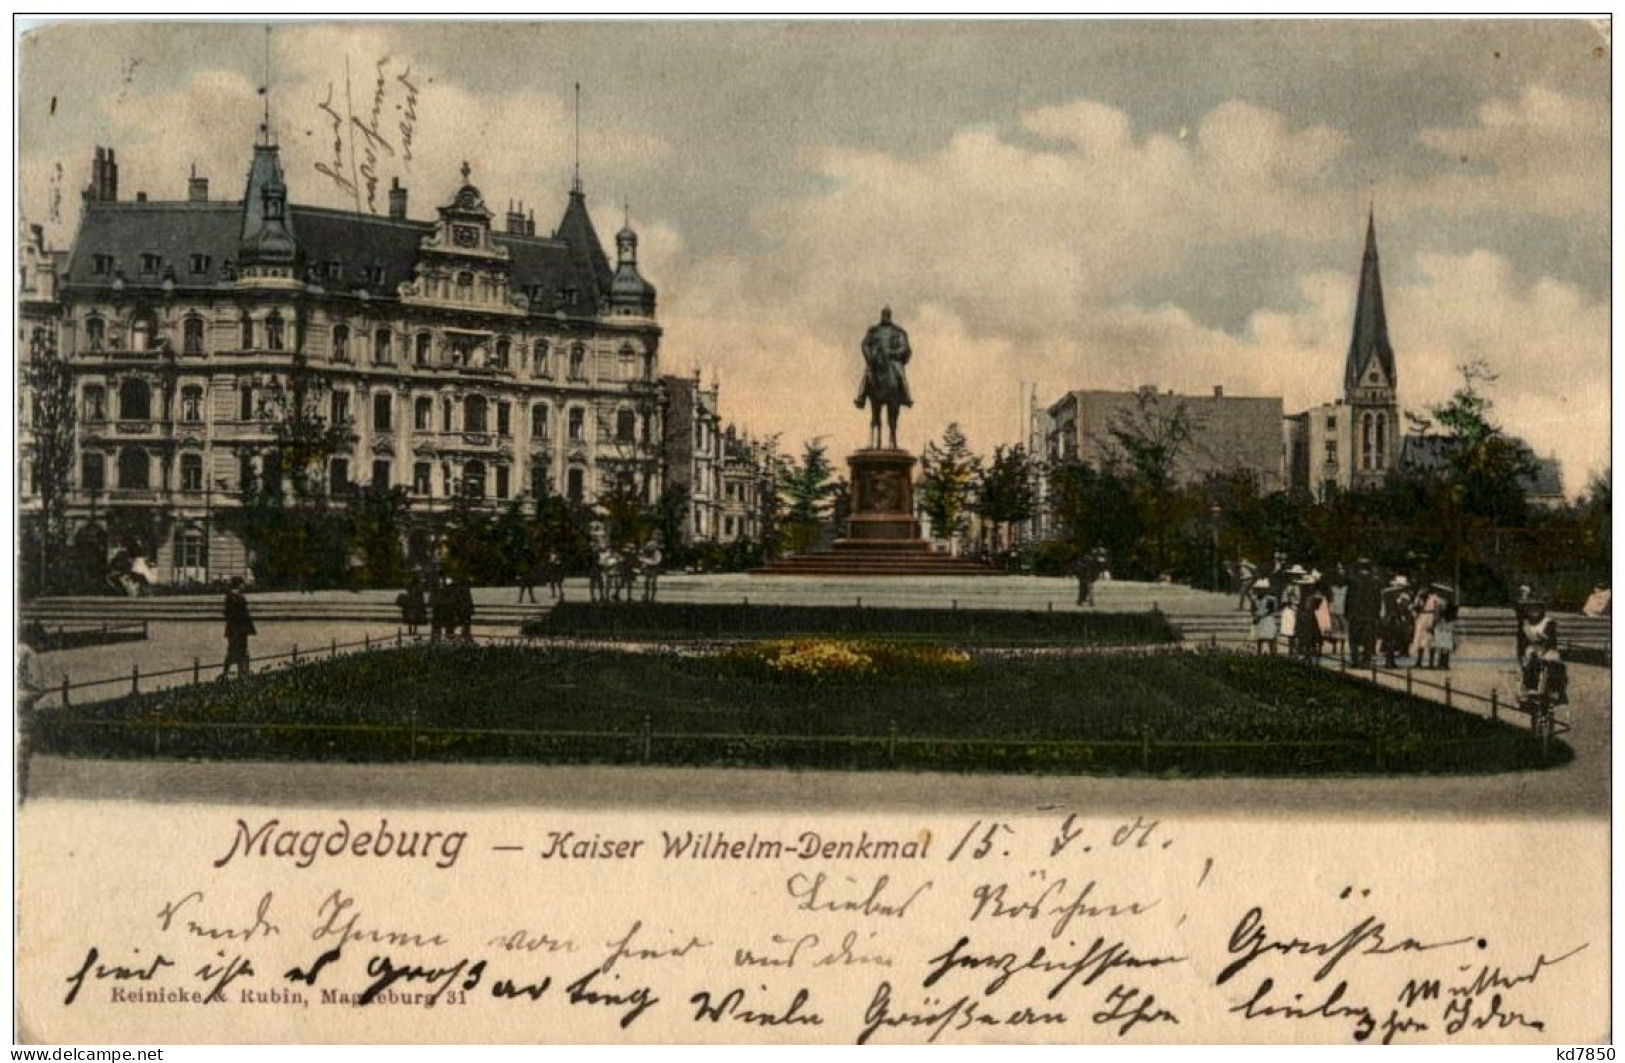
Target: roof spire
column 575, row 183
column 1369, row 342
column 265, row 90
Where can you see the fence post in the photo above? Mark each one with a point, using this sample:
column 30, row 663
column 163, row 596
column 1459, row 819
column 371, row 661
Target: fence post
column 294, row 657
column 1049, row 606
column 956, row 605
column 135, row 679
column 196, row 667
column 860, row 601
column 64, row 690
column 891, row 740
column 397, row 638
column 648, row 737
column 333, row 646
column 1447, row 692
column 1495, row 703
column 366, row 641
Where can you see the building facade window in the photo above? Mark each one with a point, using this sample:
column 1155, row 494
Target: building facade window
column 420, row 478
column 1382, row 441
column 134, row 400
column 200, row 265
column 502, row 481
column 192, row 335
column 380, row 474
column 192, row 404
column 543, row 364
column 248, row 333
column 576, row 484
column 578, row 362
column 538, row 421
column 340, row 409
column 341, row 343
column 502, row 352
column 383, row 409
column 445, row 415
column 626, row 426
column 474, row 479
column 421, row 350
column 93, row 472
column 474, row 414
column 275, row 335
column 423, row 414
column 191, row 548
column 383, row 347
column 192, row 472
column 143, row 333
column 134, row 470
column 339, row 475
column 95, row 403
column 577, row 424
column 245, row 403
column 504, row 419
column 95, row 334
column 151, row 263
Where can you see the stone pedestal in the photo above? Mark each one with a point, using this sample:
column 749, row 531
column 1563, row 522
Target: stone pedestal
column 882, row 498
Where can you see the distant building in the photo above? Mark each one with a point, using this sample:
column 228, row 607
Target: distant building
column 1228, row 433
column 1429, row 454
column 721, row 471
column 1353, row 442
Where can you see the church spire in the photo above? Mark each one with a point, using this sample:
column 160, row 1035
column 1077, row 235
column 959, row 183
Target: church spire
column 1369, row 347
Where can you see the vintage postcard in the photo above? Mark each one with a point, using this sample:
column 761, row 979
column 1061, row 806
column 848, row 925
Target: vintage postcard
column 893, row 532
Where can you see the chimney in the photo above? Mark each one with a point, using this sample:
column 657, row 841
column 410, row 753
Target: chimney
column 397, row 199
column 530, row 224
column 110, row 179
column 516, row 219
column 197, row 188
column 1218, row 391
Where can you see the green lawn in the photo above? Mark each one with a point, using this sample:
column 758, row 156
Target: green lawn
column 1186, row 713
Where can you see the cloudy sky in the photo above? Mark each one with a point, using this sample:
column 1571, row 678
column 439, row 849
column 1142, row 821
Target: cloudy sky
column 1049, row 205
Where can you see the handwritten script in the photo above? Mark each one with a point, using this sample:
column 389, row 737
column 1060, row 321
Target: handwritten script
column 1044, row 926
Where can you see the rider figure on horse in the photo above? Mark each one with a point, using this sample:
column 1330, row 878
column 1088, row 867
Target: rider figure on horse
column 885, row 381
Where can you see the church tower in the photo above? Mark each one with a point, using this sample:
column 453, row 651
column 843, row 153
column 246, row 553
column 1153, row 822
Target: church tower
column 1370, row 382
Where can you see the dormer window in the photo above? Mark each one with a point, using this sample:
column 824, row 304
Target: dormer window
column 151, row 263
column 465, row 286
column 101, row 265
column 200, row 264
column 333, row 270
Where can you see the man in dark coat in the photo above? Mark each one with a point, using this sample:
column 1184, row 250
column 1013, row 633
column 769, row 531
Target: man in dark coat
column 1364, row 611
column 462, row 601
column 239, row 626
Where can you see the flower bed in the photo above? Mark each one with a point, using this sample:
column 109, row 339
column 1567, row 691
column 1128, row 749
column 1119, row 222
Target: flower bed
column 822, row 703
column 668, row 620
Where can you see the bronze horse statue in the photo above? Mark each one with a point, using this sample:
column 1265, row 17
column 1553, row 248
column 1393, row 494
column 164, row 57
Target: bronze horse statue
column 885, row 380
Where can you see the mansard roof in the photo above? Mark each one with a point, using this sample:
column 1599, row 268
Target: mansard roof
column 338, row 250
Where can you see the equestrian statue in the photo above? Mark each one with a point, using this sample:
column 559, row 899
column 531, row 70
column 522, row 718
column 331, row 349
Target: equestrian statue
column 885, row 379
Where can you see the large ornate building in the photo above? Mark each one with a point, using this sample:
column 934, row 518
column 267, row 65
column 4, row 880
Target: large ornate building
column 461, row 357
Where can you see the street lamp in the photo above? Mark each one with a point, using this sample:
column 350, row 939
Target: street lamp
column 1215, row 511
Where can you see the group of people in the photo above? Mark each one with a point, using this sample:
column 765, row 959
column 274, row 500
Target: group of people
column 446, row 606
column 1354, row 612
column 615, row 573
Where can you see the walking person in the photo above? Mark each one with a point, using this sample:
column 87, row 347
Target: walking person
column 239, row 628
column 1444, row 628
column 1266, row 621
column 30, row 689
column 649, row 562
column 1364, row 612
column 1246, row 576
column 1397, row 619
column 462, row 601
column 1307, row 623
column 1423, row 650
column 441, row 610
column 413, row 607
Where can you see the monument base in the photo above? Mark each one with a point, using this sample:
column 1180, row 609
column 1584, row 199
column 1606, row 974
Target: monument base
column 882, row 537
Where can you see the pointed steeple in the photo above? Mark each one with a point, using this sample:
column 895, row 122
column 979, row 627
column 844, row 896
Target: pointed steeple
column 267, row 234
column 1369, row 344
column 586, row 250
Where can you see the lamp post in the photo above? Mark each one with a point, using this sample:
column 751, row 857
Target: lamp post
column 1215, row 511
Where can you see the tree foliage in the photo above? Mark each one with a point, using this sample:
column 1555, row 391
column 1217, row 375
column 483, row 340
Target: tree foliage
column 1005, row 490
column 949, row 473
column 53, row 422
